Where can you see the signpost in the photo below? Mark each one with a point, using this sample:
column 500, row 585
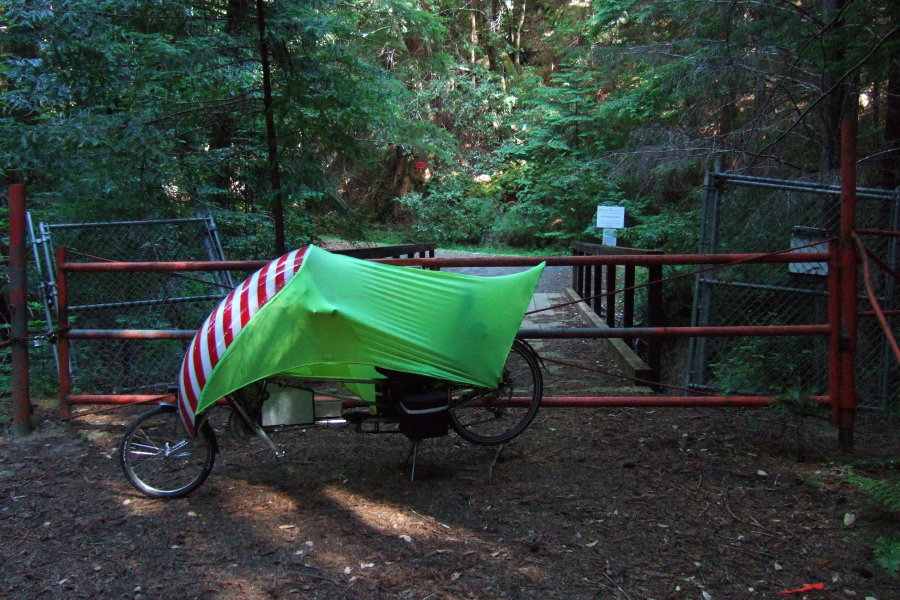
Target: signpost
column 609, row 219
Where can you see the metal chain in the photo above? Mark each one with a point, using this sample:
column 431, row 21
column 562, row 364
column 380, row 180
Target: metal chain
column 51, row 335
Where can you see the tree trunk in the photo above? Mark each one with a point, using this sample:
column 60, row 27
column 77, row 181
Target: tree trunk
column 832, row 105
column 271, row 137
column 728, row 114
column 517, row 35
column 891, row 162
column 490, row 13
column 473, row 40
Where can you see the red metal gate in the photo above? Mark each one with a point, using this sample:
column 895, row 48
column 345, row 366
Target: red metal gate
column 840, row 328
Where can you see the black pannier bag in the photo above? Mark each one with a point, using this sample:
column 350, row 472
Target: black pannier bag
column 425, row 414
column 423, row 405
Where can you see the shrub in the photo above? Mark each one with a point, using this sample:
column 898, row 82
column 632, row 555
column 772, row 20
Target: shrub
column 450, row 215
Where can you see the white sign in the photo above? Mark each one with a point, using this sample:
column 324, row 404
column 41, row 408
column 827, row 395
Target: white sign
column 609, row 237
column 809, row 239
column 610, row 217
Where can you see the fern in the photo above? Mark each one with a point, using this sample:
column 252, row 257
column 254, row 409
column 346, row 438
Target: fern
column 885, row 492
column 887, row 553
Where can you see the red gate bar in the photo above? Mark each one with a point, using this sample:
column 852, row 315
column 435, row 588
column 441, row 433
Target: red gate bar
column 496, row 261
column 131, row 334
column 163, row 267
column 63, row 347
column 546, row 401
column 662, row 332
column 118, row 399
column 527, row 334
column 871, row 313
column 661, row 401
column 877, row 232
column 589, row 260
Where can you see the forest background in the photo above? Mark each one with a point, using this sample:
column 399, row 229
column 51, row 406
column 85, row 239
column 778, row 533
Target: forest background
column 293, row 120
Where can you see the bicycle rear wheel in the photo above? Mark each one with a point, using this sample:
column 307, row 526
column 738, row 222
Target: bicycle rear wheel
column 494, row 416
column 161, row 460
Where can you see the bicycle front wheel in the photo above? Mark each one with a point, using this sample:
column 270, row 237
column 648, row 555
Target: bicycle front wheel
column 161, row 460
column 494, row 416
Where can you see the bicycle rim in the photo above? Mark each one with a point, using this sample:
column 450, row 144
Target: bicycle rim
column 484, row 416
column 161, row 460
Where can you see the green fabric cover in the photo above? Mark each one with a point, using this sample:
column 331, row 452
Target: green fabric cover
column 339, row 317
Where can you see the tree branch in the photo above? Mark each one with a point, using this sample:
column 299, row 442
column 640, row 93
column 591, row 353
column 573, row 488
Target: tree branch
column 838, row 83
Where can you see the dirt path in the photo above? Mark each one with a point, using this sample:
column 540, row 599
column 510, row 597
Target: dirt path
column 588, row 503
column 623, row 504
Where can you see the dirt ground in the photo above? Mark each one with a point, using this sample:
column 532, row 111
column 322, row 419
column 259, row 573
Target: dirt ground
column 621, row 503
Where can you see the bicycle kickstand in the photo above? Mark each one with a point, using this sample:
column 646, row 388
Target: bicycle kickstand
column 256, row 427
column 414, row 454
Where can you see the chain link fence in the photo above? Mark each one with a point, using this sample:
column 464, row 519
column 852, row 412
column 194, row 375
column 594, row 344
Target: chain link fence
column 129, row 300
column 755, row 215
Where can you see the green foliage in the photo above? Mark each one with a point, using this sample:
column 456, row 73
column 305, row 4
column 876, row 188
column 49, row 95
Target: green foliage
column 42, row 367
column 525, row 224
column 887, row 553
column 795, row 405
column 452, row 212
column 476, row 107
column 248, row 236
column 126, row 108
column 560, row 165
column 885, row 492
column 5, row 376
column 129, row 108
column 761, row 365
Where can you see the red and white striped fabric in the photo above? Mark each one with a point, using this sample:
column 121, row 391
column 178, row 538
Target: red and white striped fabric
column 223, row 325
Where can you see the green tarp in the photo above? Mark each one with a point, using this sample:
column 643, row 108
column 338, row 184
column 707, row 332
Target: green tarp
column 340, row 317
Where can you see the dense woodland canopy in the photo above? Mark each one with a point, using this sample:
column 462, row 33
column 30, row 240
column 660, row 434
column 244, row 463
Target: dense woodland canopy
column 292, row 119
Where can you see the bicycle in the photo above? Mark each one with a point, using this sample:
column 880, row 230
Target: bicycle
column 161, row 460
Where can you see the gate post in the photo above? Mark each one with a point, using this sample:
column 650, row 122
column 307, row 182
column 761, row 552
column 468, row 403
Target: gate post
column 62, row 322
column 18, row 296
column 655, row 318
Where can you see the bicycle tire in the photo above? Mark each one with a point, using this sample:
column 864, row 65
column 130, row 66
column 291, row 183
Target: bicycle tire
column 494, row 416
column 160, row 460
